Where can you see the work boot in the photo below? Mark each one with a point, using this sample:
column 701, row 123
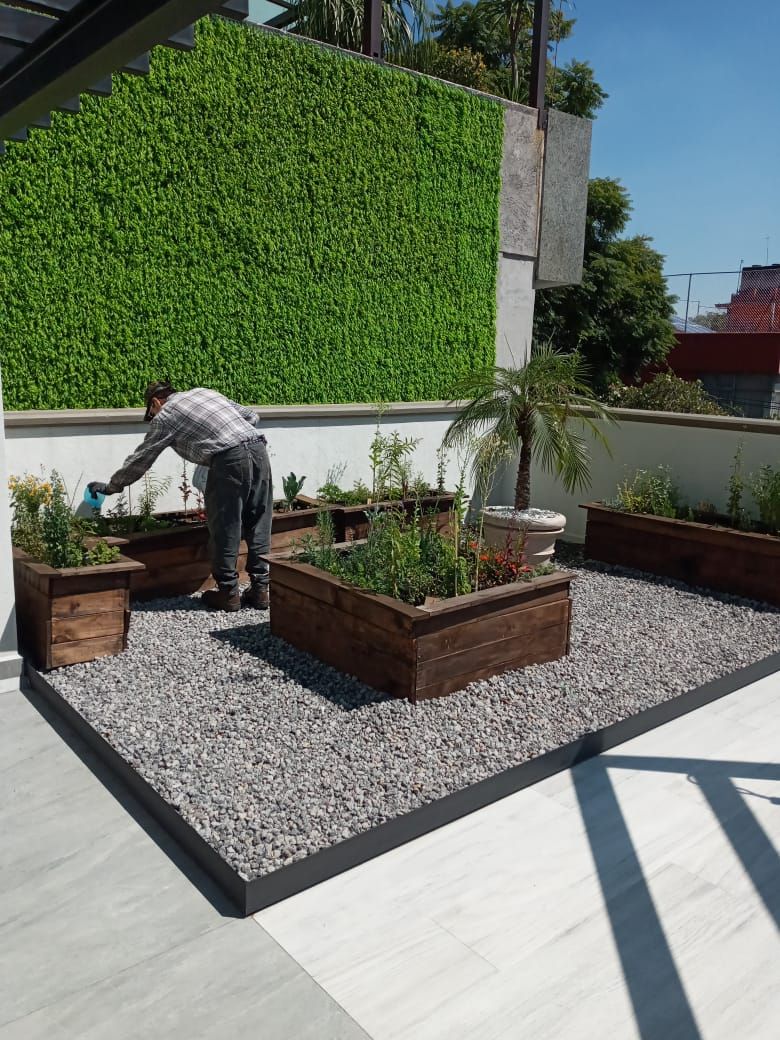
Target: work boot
column 255, row 596
column 223, row 598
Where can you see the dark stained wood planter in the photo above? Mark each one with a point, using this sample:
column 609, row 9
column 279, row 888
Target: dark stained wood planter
column 419, row 652
column 738, row 562
column 74, row 614
column 177, row 558
column 351, row 522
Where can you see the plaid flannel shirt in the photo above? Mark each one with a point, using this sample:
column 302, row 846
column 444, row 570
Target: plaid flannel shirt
column 198, row 424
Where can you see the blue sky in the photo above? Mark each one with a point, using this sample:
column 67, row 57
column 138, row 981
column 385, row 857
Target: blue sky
column 692, row 125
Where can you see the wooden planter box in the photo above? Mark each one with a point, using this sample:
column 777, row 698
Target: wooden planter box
column 177, row 558
column 73, row 614
column 352, row 522
column 738, row 562
column 419, row 652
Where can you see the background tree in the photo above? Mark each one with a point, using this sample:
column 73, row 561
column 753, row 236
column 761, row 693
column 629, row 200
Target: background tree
column 715, row 320
column 619, row 317
column 666, row 392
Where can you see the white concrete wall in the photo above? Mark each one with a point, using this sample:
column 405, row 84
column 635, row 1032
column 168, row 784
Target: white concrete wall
column 699, row 449
column 86, row 446
column 10, row 661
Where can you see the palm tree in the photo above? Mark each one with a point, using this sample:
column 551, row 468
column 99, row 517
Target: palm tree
column 530, row 410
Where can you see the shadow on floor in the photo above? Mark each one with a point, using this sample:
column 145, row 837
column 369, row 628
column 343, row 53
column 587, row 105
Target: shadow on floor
column 660, row 1003
column 202, row 882
column 307, row 671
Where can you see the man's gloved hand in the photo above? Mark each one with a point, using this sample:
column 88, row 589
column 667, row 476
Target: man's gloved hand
column 96, row 487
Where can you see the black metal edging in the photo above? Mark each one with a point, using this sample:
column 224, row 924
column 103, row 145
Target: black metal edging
column 251, row 896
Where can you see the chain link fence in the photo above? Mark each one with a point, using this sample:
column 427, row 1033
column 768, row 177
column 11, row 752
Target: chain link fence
column 745, row 300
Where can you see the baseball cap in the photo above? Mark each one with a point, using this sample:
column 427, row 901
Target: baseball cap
column 160, row 388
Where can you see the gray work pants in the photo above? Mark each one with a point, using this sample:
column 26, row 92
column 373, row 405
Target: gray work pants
column 239, row 503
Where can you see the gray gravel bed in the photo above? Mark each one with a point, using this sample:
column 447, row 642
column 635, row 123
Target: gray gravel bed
column 272, row 755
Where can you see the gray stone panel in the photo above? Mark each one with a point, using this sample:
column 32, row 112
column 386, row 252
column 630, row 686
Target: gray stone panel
column 514, row 311
column 564, row 200
column 521, row 166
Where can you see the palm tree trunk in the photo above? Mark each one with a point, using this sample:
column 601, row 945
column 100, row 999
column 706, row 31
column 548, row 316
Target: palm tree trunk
column 523, row 485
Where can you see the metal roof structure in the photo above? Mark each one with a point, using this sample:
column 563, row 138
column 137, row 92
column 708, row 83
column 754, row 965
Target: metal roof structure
column 51, row 51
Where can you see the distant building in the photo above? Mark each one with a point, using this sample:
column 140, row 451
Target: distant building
column 755, row 306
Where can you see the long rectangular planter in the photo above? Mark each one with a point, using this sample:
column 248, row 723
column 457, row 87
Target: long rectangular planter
column 352, row 521
column 73, row 614
column 419, row 652
column 177, row 558
column 738, row 562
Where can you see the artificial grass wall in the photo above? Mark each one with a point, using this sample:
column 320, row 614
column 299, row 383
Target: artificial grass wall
column 262, row 216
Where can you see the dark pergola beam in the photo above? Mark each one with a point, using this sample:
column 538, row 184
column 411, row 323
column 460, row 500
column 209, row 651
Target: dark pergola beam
column 87, row 44
column 184, row 40
column 372, row 28
column 237, row 10
column 139, row 66
column 55, row 7
column 539, row 57
column 23, row 26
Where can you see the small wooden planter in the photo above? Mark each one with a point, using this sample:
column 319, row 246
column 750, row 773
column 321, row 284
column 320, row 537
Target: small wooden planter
column 737, row 562
column 419, row 652
column 74, row 614
column 177, row 558
column 352, row 523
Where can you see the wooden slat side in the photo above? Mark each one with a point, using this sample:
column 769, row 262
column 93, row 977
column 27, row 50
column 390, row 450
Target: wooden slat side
column 442, row 621
column 87, row 626
column 380, row 610
column 88, row 603
column 741, row 569
column 85, row 650
column 328, row 638
column 499, row 650
column 392, row 641
column 672, row 529
column 548, row 645
column 510, row 624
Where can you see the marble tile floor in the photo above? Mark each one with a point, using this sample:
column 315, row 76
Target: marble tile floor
column 637, row 895
column 108, row 931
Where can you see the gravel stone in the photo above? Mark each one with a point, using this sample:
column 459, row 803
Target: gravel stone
column 271, row 755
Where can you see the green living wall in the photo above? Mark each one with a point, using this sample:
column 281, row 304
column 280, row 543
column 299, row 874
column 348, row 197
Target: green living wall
column 263, row 216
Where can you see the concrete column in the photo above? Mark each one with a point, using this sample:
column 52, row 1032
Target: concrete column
column 521, row 176
column 10, row 661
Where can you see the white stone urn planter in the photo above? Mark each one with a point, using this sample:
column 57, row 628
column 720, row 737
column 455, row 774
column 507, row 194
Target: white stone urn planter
column 541, row 528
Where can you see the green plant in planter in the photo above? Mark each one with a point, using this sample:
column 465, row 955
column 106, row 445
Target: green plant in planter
column 736, row 487
column 765, row 488
column 45, row 526
column 648, row 491
column 532, row 411
column 292, row 486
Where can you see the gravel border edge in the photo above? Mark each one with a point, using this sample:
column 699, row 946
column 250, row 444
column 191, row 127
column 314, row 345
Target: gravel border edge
column 251, row 896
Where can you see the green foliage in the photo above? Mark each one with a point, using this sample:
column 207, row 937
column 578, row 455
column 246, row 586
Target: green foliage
column 619, row 317
column 649, row 491
column 340, row 22
column 499, row 33
column 268, row 218
column 408, row 559
column 45, row 526
column 765, row 488
column 101, row 553
column 666, row 392
column 529, row 411
column 152, row 489
column 736, row 487
column 292, row 486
